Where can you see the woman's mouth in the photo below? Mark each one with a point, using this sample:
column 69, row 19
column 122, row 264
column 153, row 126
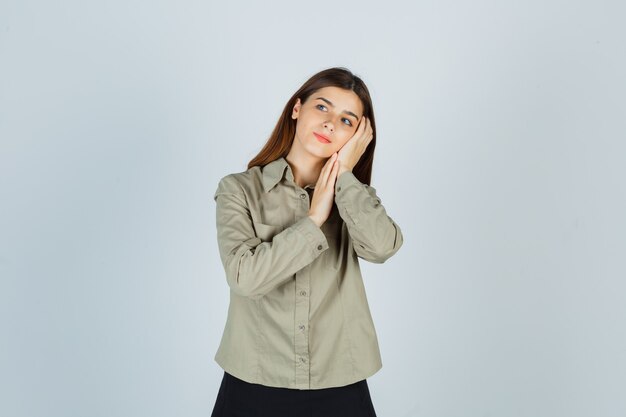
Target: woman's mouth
column 321, row 138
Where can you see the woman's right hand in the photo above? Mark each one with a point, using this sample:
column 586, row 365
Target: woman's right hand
column 324, row 193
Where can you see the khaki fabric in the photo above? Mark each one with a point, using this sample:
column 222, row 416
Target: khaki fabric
column 298, row 314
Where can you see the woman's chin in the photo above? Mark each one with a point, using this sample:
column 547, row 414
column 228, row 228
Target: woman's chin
column 319, row 151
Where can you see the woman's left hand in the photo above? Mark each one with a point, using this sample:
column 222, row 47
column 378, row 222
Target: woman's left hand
column 351, row 152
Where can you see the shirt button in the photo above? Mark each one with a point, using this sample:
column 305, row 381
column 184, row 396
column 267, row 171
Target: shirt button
column 338, row 188
column 303, row 293
column 302, row 360
column 319, row 247
column 302, row 327
column 303, row 196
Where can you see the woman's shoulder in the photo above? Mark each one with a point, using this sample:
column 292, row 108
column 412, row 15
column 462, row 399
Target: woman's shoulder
column 241, row 182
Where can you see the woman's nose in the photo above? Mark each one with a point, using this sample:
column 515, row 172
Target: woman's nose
column 328, row 125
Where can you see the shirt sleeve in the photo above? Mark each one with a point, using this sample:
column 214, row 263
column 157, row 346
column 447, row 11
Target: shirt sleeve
column 254, row 267
column 375, row 236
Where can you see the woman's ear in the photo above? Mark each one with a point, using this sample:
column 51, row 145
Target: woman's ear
column 296, row 109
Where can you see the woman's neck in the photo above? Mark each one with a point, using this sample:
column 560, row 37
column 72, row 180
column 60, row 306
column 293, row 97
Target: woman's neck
column 305, row 168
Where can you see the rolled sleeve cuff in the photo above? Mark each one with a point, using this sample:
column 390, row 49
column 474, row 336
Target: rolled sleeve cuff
column 314, row 235
column 344, row 181
column 348, row 191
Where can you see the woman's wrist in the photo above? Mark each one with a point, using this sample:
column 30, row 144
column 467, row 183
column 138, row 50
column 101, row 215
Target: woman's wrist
column 315, row 220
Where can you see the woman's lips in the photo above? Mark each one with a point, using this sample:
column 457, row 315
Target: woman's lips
column 321, row 138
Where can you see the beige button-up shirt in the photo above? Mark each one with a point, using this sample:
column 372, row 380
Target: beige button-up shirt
column 298, row 314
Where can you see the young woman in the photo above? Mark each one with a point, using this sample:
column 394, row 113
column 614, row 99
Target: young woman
column 299, row 339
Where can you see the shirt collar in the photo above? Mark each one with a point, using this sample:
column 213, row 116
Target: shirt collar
column 274, row 171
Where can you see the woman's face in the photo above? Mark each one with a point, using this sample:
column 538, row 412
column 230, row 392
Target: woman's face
column 331, row 112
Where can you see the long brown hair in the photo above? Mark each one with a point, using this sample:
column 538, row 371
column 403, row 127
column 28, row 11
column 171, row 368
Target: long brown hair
column 281, row 139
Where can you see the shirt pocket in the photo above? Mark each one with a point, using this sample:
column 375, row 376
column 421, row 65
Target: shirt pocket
column 333, row 255
column 266, row 232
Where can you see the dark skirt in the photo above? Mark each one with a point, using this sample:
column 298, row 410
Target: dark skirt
column 238, row 398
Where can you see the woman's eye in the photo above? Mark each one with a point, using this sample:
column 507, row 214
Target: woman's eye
column 321, row 105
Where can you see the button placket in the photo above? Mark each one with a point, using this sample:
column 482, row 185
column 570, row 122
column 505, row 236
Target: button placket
column 302, row 307
column 301, row 337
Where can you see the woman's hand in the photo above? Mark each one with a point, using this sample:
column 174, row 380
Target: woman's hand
column 351, row 152
column 324, row 193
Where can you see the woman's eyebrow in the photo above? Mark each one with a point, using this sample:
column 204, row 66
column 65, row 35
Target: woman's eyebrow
column 345, row 111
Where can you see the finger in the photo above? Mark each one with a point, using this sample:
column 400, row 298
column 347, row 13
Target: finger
column 333, row 175
column 362, row 124
column 327, row 168
column 369, row 133
column 323, row 173
column 368, row 127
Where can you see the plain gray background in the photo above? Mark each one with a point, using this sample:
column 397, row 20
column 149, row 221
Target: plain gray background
column 500, row 153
